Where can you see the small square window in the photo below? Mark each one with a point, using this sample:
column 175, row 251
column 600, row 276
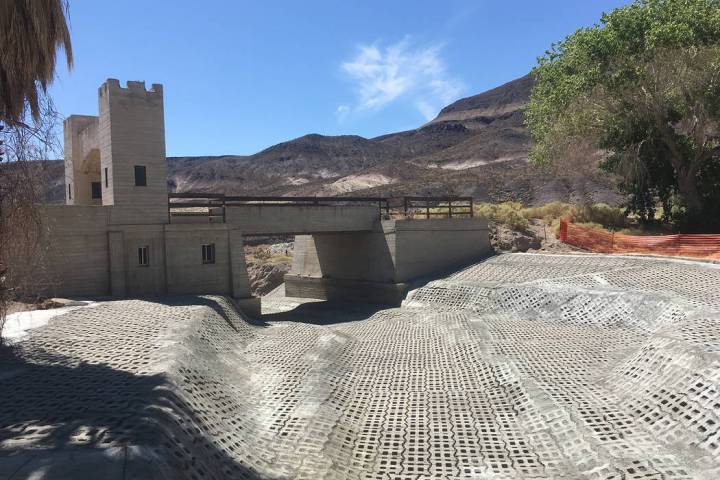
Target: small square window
column 208, row 253
column 96, row 190
column 140, row 176
column 143, row 256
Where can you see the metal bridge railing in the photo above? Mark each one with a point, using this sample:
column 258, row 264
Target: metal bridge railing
column 438, row 206
column 214, row 204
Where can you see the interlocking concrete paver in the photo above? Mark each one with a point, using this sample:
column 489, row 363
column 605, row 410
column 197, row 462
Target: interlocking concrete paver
column 522, row 366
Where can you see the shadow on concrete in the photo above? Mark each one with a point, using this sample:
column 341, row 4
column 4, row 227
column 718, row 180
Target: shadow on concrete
column 422, row 281
column 328, row 312
column 64, row 418
column 331, row 312
column 232, row 314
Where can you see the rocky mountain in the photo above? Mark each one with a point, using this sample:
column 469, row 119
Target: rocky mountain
column 476, row 146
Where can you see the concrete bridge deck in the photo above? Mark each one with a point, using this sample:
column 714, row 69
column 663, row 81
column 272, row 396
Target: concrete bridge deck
column 266, row 215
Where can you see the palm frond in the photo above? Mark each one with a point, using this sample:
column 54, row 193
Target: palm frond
column 31, row 32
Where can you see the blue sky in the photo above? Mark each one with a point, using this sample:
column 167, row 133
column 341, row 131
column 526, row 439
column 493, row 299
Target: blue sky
column 241, row 76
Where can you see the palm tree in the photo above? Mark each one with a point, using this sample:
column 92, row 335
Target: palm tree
column 31, row 31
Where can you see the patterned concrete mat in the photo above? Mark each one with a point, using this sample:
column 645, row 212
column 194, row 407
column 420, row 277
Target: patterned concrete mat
column 522, row 366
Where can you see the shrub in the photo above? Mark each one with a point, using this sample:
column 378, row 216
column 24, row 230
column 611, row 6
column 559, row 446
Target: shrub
column 508, row 213
column 484, row 210
column 600, row 213
column 516, row 217
column 279, row 258
column 549, row 211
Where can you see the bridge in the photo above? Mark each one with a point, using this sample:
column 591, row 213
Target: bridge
column 122, row 234
column 350, row 248
column 263, row 215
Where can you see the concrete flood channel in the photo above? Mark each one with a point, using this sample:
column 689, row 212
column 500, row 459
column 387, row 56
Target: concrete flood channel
column 520, row 366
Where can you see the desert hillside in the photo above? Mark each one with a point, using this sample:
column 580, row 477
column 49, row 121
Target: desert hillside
column 475, row 146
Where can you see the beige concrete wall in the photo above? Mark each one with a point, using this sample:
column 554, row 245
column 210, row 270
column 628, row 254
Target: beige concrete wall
column 132, row 132
column 144, row 280
column 268, row 219
column 186, row 273
column 238, row 267
column 118, row 282
column 76, row 249
column 89, row 163
column 81, row 161
column 365, row 256
column 134, row 215
column 305, row 259
column 86, row 255
column 428, row 247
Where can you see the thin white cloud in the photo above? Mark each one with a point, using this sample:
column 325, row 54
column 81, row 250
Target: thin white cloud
column 401, row 71
column 341, row 112
column 427, row 110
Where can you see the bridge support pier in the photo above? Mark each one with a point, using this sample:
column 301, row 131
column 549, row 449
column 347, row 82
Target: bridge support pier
column 378, row 266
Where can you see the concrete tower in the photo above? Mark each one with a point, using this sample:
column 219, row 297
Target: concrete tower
column 131, row 137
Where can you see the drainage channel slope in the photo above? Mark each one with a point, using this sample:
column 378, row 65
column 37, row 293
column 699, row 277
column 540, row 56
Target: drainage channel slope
column 522, row 366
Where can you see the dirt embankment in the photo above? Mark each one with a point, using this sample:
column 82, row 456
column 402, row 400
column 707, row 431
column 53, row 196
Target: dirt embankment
column 538, row 237
column 267, row 265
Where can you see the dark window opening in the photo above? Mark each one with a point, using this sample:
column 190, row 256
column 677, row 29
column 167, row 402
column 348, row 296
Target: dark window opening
column 95, row 190
column 106, row 178
column 69, row 191
column 208, row 253
column 140, row 176
column 143, row 256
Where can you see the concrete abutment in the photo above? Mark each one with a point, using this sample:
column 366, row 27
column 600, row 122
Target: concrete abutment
column 377, row 266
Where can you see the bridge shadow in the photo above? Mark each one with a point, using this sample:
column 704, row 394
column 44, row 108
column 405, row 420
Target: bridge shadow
column 329, row 312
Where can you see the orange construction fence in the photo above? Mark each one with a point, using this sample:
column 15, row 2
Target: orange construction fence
column 602, row 241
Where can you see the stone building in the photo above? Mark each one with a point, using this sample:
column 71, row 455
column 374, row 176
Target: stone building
column 116, row 236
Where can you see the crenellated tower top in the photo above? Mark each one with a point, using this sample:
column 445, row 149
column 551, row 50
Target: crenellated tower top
column 133, row 86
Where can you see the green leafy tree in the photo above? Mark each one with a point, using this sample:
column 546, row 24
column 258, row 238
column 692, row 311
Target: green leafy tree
column 643, row 88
